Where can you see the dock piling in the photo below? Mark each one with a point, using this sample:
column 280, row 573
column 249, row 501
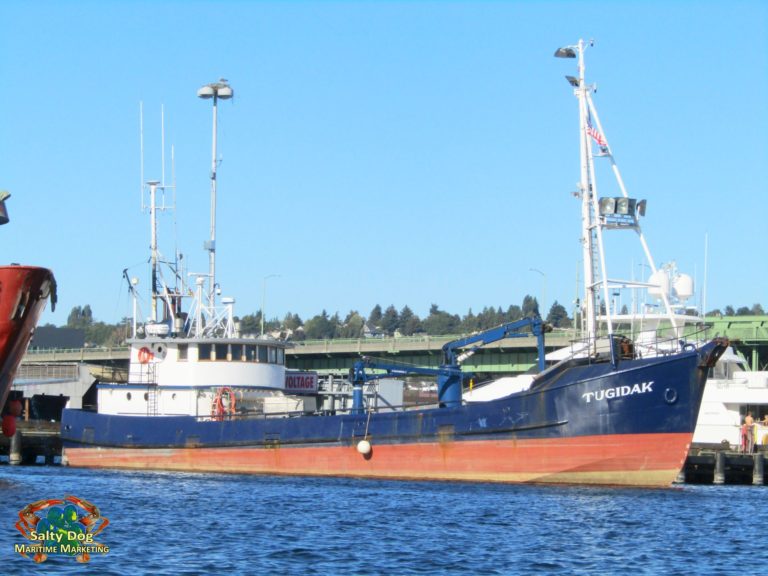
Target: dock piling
column 720, row 468
column 758, row 471
column 14, row 455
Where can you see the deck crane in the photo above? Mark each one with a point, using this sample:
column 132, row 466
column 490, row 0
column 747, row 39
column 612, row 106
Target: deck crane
column 450, row 377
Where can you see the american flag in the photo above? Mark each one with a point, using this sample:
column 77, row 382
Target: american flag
column 594, row 132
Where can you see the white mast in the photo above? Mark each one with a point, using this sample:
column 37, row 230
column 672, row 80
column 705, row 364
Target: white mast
column 153, row 245
column 216, row 90
column 599, row 214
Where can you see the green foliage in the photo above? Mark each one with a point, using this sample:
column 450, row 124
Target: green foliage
column 410, row 323
column 80, row 317
column 374, row 318
column 558, row 316
column 319, row 327
column 292, row 322
column 353, row 326
column 250, row 323
column 390, row 321
column 405, row 322
column 530, row 306
column 440, row 322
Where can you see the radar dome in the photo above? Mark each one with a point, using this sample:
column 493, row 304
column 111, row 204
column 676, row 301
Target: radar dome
column 683, row 286
column 660, row 281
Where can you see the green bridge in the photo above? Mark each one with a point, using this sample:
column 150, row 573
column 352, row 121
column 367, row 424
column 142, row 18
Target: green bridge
column 748, row 333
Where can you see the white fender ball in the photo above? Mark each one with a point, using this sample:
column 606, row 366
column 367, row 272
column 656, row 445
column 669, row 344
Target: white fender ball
column 364, row 447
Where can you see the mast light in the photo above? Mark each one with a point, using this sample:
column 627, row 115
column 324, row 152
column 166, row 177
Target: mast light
column 219, row 90
column 565, row 52
column 621, row 206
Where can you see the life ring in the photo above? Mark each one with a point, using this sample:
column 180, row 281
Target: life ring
column 145, row 355
column 670, row 395
column 218, row 409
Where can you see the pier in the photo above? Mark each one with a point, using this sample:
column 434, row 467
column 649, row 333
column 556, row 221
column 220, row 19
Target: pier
column 724, row 466
column 34, row 440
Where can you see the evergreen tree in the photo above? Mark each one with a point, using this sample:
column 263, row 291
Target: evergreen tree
column 405, row 315
column 757, row 310
column 374, row 318
column 514, row 313
column 530, row 306
column 336, row 326
column 390, row 320
column 80, row 317
column 469, row 323
column 440, row 323
column 250, row 323
column 292, row 322
column 558, row 316
column 410, row 323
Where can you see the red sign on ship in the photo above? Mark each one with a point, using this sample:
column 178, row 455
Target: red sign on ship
column 303, row 382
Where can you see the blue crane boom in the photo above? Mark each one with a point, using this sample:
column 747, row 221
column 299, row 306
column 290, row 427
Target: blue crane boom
column 450, row 377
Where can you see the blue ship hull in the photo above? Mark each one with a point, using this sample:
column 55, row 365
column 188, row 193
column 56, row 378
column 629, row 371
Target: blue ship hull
column 582, row 422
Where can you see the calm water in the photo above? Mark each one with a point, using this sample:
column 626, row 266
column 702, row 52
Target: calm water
column 171, row 523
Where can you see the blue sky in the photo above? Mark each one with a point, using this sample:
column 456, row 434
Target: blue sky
column 381, row 152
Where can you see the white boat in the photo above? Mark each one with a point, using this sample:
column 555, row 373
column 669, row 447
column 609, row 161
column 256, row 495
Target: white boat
column 732, row 391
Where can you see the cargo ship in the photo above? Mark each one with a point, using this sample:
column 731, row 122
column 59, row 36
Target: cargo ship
column 24, row 291
column 202, row 397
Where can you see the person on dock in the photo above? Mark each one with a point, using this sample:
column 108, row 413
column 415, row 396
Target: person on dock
column 748, row 433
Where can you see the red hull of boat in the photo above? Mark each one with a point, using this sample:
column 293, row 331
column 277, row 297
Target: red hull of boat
column 23, row 292
column 618, row 459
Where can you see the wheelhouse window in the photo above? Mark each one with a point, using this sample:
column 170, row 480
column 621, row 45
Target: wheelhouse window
column 183, row 352
column 250, row 353
column 221, row 352
column 272, row 355
column 205, row 352
column 237, row 352
column 262, row 354
column 280, row 356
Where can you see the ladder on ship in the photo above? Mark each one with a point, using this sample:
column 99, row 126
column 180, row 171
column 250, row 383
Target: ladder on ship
column 151, row 391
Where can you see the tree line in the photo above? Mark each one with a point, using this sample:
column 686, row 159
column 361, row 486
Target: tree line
column 377, row 323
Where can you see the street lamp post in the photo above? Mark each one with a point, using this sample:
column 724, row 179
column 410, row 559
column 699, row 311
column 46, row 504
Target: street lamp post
column 264, row 297
column 543, row 292
column 216, row 90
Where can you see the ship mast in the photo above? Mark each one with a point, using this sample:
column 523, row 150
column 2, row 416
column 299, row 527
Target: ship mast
column 216, row 90
column 600, row 214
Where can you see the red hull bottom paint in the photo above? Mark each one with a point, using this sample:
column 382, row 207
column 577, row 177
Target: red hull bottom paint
column 615, row 460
